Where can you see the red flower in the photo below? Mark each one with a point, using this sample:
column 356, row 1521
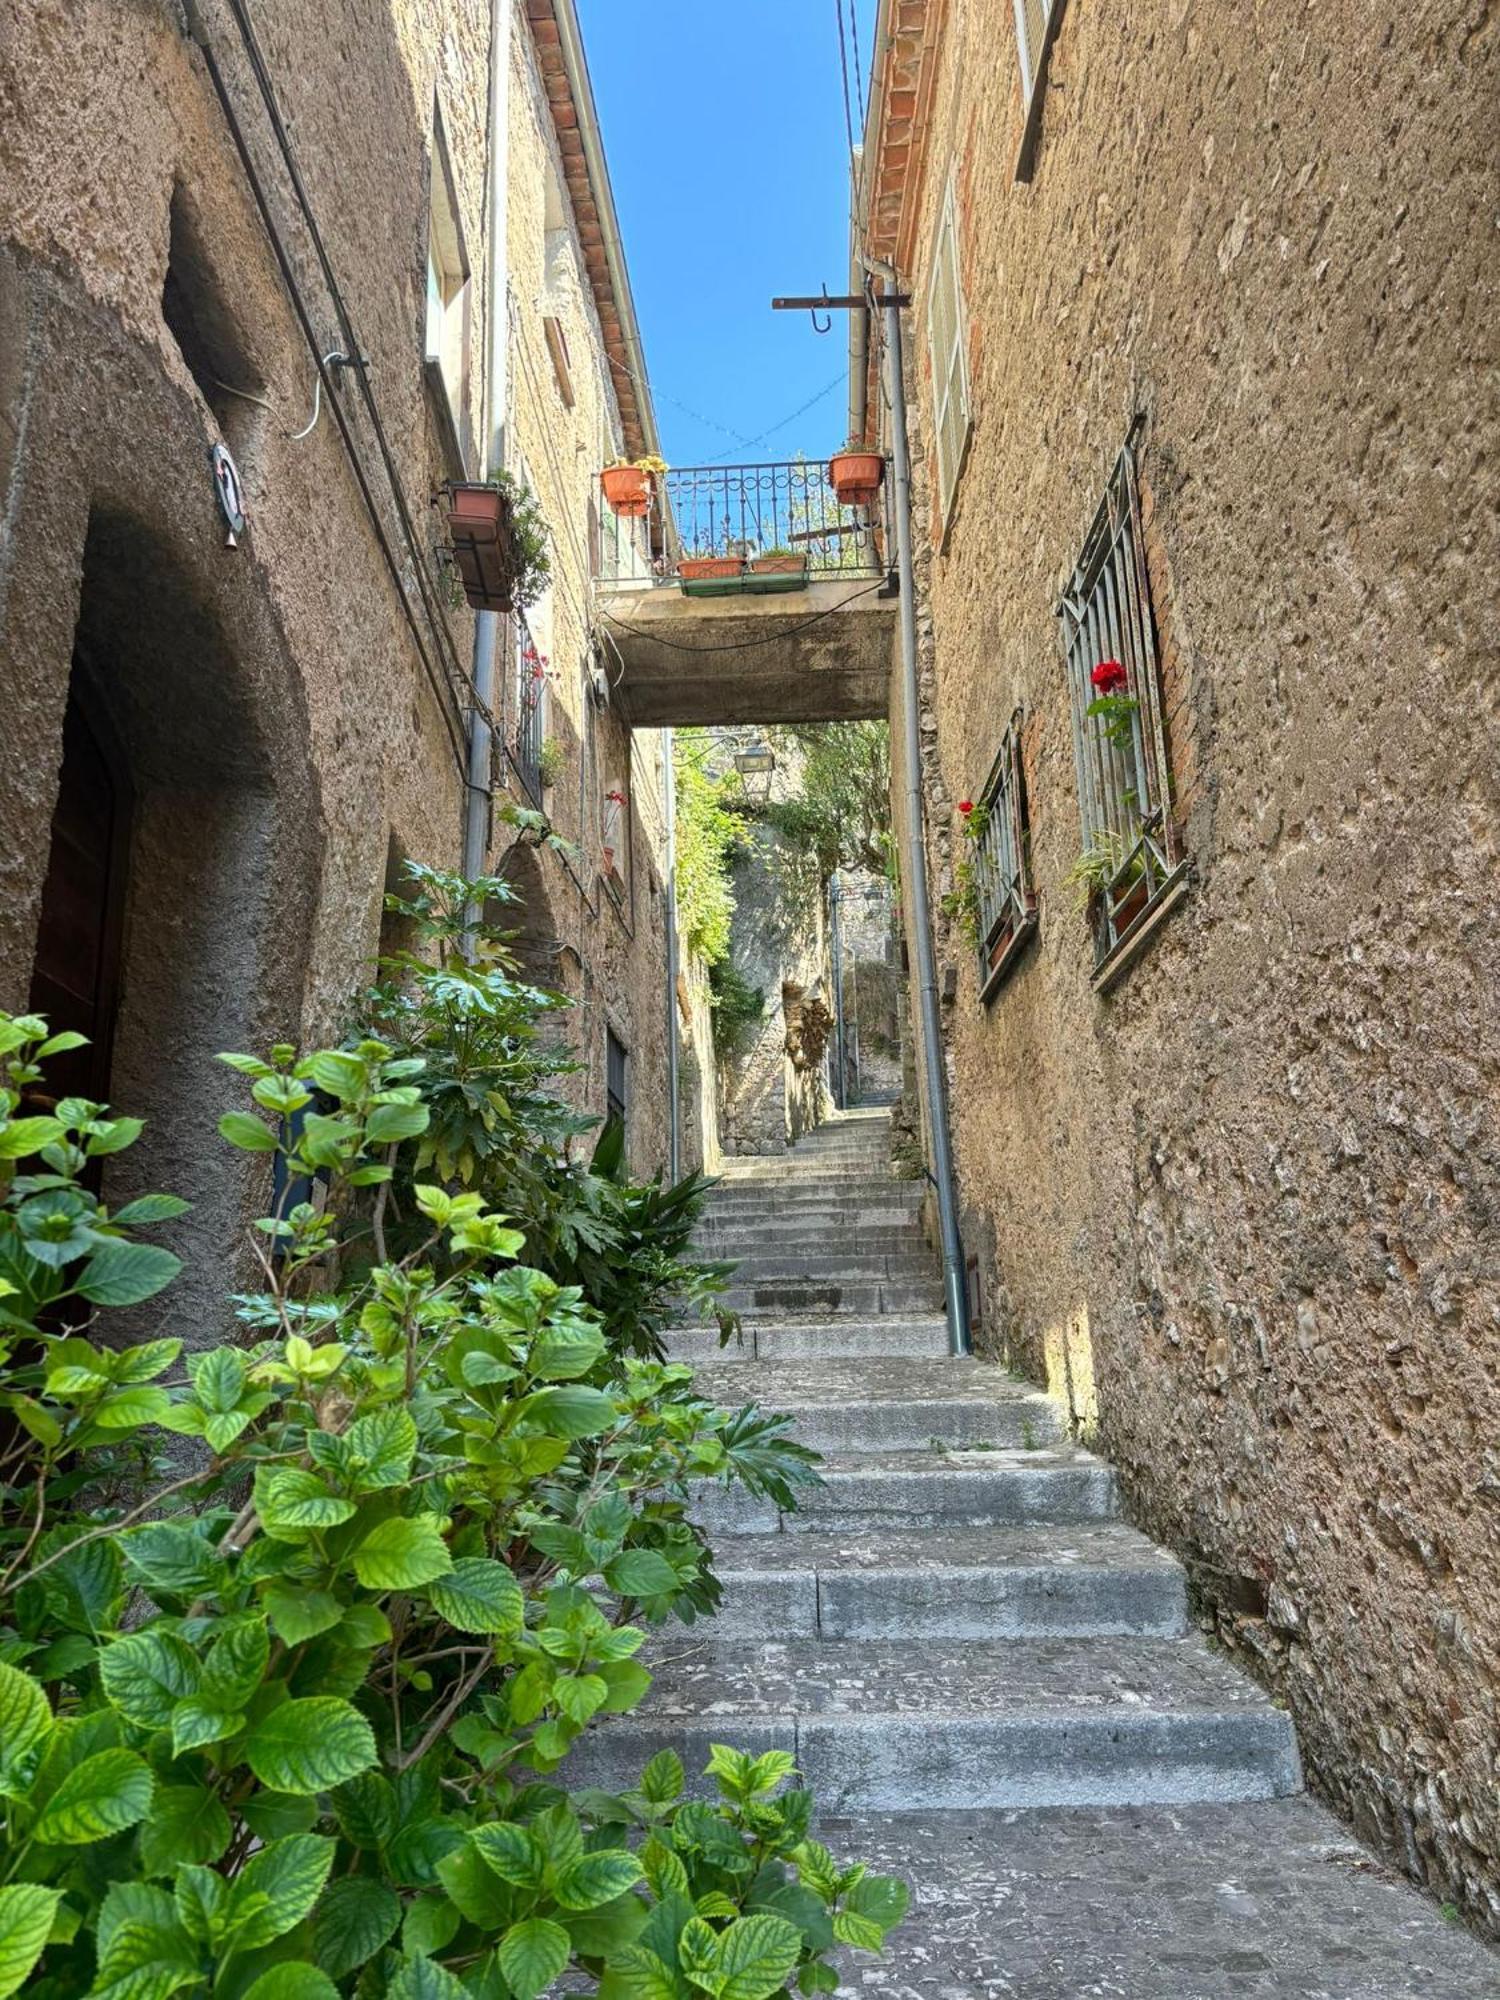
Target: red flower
column 1108, row 677
column 966, row 806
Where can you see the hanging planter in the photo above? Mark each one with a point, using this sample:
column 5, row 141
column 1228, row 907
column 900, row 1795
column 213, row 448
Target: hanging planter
column 499, row 541
column 855, row 476
column 630, row 486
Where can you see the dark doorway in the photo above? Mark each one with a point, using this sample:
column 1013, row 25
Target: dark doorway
column 75, row 979
column 617, row 1061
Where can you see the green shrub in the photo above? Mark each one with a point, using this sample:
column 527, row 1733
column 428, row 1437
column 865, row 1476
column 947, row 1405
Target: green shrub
column 736, row 1007
column 282, row 1715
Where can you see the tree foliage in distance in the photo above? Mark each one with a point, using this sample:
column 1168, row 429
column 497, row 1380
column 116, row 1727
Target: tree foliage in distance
column 710, row 826
column 841, row 811
column 291, row 1723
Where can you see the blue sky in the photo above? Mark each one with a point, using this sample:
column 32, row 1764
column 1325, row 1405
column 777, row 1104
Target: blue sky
column 724, row 130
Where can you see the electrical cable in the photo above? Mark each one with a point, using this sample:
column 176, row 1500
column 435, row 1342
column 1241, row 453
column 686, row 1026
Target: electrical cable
column 844, row 70
column 299, row 307
column 745, row 645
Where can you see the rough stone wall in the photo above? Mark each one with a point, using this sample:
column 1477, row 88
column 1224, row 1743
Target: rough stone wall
column 608, row 923
column 1248, row 1198
column 273, row 692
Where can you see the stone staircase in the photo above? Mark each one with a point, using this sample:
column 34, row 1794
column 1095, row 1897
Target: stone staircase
column 970, row 1653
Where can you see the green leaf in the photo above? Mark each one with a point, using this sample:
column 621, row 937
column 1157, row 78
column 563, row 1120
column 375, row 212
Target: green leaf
column 562, row 1354
column 641, row 1573
column 128, row 1409
column 570, row 1411
column 597, row 1878
column 187, row 1824
column 366, row 1810
column 144, row 1953
column 104, row 1795
column 196, row 1720
column 429, row 1927
column 86, row 1583
column 34, row 1417
column 147, row 1673
column 171, row 1556
column 849, row 1927
column 354, row 1919
column 26, row 1913
column 388, row 1123
column 23, row 1136
column 580, row 1696
column 627, row 1681
column 151, row 1208
column 122, row 1274
column 422, row 1979
column 300, row 1614
column 476, row 1890
column 237, row 1661
column 340, row 1075
column 512, row 1852
column 663, row 1779
column 756, row 1957
column 289, row 1875
column 402, row 1554
column 381, row 1447
column 114, row 1135
column 478, row 1595
column 882, row 1899
column 310, row 1745
column 288, row 1981
column 532, row 1954
column 271, row 1815
column 637, row 1973
column 25, row 1718
column 288, row 1497
column 218, row 1377
column 248, row 1133
column 150, row 1357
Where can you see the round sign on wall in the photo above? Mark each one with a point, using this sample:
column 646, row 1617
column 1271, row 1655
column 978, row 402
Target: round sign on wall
column 231, row 493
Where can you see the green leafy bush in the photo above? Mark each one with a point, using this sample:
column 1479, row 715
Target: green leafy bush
column 282, row 1715
column 736, row 1006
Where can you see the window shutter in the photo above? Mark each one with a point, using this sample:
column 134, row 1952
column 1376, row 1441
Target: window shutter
column 950, row 373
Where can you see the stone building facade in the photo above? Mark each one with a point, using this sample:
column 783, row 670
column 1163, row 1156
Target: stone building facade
column 274, row 229
column 1232, row 1180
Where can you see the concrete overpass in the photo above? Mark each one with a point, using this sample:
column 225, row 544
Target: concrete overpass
column 820, row 654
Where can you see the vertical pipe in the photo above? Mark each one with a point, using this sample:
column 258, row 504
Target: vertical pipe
column 476, row 816
column 674, row 1109
column 835, row 899
column 955, row 1289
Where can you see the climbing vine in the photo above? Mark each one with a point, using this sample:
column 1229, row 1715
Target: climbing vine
column 710, row 826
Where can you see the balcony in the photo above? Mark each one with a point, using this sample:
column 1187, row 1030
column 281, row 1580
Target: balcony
column 782, row 592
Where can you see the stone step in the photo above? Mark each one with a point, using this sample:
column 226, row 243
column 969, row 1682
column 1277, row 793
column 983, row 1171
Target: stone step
column 923, row 1337
column 814, row 1174
column 813, row 1239
column 794, row 1212
column 876, row 1405
column 1082, row 1581
column 1260, row 1900
column 903, row 1491
column 776, row 1264
column 909, row 1726
column 855, row 1297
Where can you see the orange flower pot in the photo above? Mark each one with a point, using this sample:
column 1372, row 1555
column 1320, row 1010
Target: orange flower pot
column 709, row 569
column 855, row 476
column 479, row 528
column 628, row 490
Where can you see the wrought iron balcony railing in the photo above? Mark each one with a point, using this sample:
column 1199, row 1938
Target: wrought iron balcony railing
column 775, row 521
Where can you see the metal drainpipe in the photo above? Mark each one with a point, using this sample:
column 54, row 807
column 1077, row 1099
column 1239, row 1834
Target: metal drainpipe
column 955, row 1288
column 835, row 901
column 478, row 795
column 674, row 1109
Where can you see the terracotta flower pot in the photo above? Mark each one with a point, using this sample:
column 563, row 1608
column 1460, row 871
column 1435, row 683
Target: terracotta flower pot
column 1128, row 904
column 778, row 565
column 627, row 488
column 479, row 522
column 709, row 569
column 855, row 476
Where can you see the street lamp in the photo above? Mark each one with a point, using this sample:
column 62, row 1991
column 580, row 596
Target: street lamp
column 757, row 760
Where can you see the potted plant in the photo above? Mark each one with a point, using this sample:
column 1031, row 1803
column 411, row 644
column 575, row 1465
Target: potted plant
column 1111, row 870
column 629, row 483
column 778, row 568
column 707, row 570
column 499, row 539
column 855, row 474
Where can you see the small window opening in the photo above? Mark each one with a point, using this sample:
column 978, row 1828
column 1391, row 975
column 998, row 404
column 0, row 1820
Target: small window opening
column 617, row 1061
column 206, row 336
column 449, row 298
column 1006, row 904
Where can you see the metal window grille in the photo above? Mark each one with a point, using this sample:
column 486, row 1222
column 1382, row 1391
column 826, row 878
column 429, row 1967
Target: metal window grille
column 1035, row 21
column 950, row 367
column 616, row 1059
column 1002, row 865
column 524, row 738
column 1130, row 844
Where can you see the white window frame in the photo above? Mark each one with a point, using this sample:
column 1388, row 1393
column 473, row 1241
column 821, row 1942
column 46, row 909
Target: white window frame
column 446, row 329
column 1033, row 44
column 948, row 361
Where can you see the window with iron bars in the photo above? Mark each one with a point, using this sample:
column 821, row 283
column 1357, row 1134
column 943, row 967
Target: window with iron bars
column 1005, row 905
column 1131, row 859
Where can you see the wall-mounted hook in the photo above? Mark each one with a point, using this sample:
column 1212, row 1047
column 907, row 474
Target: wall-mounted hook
column 827, row 320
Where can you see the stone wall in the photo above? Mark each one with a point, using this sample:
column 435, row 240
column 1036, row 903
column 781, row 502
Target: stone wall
column 1243, row 1208
column 287, row 714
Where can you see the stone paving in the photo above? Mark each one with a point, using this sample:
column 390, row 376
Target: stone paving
column 988, row 1677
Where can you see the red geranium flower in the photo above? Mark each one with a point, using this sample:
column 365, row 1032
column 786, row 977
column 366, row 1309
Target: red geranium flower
column 1108, row 677
column 966, row 806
